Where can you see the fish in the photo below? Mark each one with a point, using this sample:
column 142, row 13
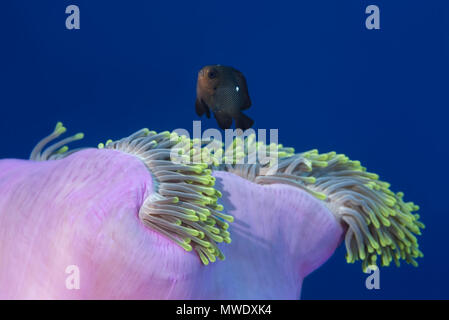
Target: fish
column 224, row 91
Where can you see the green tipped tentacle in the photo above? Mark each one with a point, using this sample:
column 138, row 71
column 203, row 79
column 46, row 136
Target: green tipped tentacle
column 184, row 204
column 379, row 222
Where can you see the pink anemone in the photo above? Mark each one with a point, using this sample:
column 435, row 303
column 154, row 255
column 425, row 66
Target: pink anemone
column 84, row 210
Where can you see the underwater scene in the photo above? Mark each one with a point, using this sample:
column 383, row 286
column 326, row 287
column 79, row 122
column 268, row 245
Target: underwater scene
column 211, row 150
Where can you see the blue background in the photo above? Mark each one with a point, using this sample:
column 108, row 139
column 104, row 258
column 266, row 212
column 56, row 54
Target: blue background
column 314, row 71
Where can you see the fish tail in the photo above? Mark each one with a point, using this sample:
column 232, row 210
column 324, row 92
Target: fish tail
column 243, row 122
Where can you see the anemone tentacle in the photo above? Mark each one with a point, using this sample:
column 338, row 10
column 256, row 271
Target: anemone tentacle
column 184, row 207
column 379, row 222
column 58, row 150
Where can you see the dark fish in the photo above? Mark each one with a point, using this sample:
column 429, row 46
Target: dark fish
column 223, row 90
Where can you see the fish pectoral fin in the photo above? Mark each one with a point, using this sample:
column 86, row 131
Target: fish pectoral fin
column 243, row 122
column 201, row 108
column 246, row 104
column 224, row 121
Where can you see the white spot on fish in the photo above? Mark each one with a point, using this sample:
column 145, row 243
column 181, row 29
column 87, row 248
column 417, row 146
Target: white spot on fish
column 237, row 88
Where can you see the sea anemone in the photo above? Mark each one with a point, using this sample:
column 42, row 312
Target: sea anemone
column 125, row 213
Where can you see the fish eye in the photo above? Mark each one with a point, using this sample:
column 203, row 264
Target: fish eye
column 212, row 74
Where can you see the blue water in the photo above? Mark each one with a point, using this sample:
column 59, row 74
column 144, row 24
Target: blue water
column 314, row 72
